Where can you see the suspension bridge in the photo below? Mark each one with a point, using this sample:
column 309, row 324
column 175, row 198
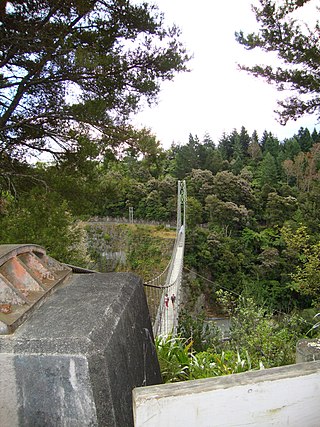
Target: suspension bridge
column 164, row 312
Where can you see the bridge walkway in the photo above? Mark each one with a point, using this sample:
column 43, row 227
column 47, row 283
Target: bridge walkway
column 165, row 319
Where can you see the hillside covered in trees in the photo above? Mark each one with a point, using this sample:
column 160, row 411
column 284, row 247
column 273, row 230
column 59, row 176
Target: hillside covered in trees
column 252, row 216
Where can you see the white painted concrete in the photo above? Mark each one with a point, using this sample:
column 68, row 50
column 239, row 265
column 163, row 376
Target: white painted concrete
column 286, row 396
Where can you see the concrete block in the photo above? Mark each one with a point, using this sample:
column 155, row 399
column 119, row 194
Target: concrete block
column 76, row 359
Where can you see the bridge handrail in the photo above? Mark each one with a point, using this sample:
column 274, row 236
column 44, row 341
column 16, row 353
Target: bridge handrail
column 168, row 269
column 157, row 323
column 174, row 268
column 155, row 279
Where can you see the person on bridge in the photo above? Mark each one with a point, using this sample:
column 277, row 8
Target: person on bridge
column 173, row 299
column 166, row 300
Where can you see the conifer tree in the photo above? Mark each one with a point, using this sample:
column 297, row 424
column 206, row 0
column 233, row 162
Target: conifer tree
column 298, row 48
column 75, row 67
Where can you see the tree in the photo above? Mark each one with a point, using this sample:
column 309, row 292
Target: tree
column 143, row 142
column 200, row 183
column 194, row 212
column 272, row 146
column 226, row 144
column 297, row 47
column 304, row 139
column 136, row 194
column 291, row 148
column 187, row 157
column 227, row 214
column 288, row 169
column 231, row 188
column 244, row 140
column 154, row 209
column 304, row 168
column 113, row 188
column 315, row 137
column 254, row 149
column 215, row 162
column 309, row 207
column 237, row 162
column 44, row 218
column 306, row 275
column 79, row 67
column 280, row 208
column 268, row 170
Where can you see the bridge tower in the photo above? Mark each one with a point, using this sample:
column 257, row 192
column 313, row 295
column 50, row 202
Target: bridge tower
column 181, row 204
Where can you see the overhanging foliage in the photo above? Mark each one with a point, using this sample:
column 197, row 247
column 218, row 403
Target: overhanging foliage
column 75, row 67
column 298, row 48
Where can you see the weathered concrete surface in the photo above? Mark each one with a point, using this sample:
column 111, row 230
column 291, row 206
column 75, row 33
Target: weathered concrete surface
column 285, row 396
column 75, row 361
column 27, row 277
column 308, row 350
column 8, row 251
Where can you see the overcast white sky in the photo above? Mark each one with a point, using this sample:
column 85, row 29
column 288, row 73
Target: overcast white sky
column 215, row 97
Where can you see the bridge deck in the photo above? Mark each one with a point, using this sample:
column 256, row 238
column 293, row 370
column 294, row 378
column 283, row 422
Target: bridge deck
column 165, row 319
column 170, row 313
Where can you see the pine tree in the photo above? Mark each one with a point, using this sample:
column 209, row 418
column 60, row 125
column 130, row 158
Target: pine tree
column 79, row 67
column 268, row 170
column 297, row 46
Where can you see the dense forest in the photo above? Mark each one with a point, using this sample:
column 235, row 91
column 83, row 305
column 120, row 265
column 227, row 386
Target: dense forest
column 252, row 225
column 252, row 209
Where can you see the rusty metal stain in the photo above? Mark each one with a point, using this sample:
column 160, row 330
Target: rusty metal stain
column 9, row 295
column 5, row 308
column 18, row 275
column 34, row 267
column 27, row 275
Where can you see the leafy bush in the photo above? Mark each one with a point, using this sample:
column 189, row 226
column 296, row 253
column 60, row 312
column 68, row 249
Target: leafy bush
column 44, row 219
column 178, row 362
column 316, row 326
column 209, row 364
column 257, row 340
column 266, row 339
column 202, row 334
column 174, row 359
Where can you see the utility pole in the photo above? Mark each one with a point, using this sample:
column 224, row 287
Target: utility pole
column 130, row 214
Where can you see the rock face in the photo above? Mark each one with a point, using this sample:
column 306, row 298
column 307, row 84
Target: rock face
column 75, row 361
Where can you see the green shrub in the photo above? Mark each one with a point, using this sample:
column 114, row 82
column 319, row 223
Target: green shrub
column 43, row 218
column 174, row 359
column 178, row 362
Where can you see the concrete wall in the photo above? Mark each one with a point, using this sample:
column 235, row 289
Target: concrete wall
column 75, row 361
column 279, row 396
column 308, row 350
